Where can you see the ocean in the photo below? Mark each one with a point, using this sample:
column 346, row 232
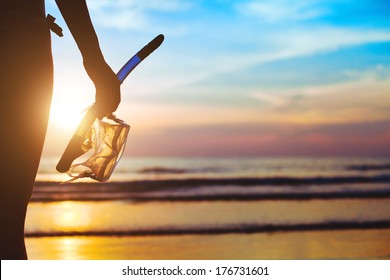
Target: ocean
column 216, row 203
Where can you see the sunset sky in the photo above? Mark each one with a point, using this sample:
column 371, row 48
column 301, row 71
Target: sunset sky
column 238, row 78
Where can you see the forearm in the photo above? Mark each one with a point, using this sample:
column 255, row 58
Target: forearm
column 76, row 15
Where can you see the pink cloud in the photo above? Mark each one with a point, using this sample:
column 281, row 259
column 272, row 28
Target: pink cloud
column 363, row 139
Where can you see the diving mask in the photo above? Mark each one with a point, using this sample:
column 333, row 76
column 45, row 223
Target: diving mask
column 106, row 139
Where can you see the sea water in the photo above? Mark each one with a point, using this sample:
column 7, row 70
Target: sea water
column 214, row 197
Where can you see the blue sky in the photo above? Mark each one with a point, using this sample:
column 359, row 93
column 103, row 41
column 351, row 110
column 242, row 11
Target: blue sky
column 230, row 69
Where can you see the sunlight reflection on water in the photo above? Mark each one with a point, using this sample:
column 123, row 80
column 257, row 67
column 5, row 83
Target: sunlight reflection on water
column 111, row 216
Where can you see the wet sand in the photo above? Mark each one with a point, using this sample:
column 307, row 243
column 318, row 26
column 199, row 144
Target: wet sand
column 327, row 244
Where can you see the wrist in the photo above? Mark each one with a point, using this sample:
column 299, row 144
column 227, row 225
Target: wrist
column 95, row 65
column 93, row 57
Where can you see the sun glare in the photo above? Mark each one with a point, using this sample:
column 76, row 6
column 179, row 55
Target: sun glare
column 72, row 216
column 67, row 110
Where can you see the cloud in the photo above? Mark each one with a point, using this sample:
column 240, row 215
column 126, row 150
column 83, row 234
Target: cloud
column 298, row 42
column 376, row 72
column 160, row 5
column 359, row 100
column 326, row 38
column 282, row 10
column 269, row 47
column 272, row 139
column 132, row 14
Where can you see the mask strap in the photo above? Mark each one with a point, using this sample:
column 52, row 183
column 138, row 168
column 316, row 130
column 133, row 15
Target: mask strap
column 84, row 174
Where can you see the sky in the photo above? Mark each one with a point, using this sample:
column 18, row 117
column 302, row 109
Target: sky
column 237, row 78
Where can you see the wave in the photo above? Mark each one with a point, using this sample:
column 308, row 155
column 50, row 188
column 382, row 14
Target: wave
column 162, row 170
column 169, row 193
column 369, row 167
column 98, row 196
column 242, row 181
column 228, row 229
column 169, row 170
column 222, row 189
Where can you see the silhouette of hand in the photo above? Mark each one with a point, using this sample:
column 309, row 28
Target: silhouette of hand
column 107, row 87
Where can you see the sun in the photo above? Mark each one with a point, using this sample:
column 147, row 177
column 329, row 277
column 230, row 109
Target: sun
column 65, row 115
column 67, row 109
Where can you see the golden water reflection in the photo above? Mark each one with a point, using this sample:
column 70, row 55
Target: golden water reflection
column 345, row 244
column 114, row 216
column 68, row 216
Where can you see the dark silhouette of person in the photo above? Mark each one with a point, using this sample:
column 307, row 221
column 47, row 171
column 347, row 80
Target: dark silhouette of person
column 26, row 81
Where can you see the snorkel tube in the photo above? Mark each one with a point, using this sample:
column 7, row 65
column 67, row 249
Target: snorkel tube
column 77, row 145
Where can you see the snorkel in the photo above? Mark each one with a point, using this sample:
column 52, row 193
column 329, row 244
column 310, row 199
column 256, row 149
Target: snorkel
column 79, row 144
